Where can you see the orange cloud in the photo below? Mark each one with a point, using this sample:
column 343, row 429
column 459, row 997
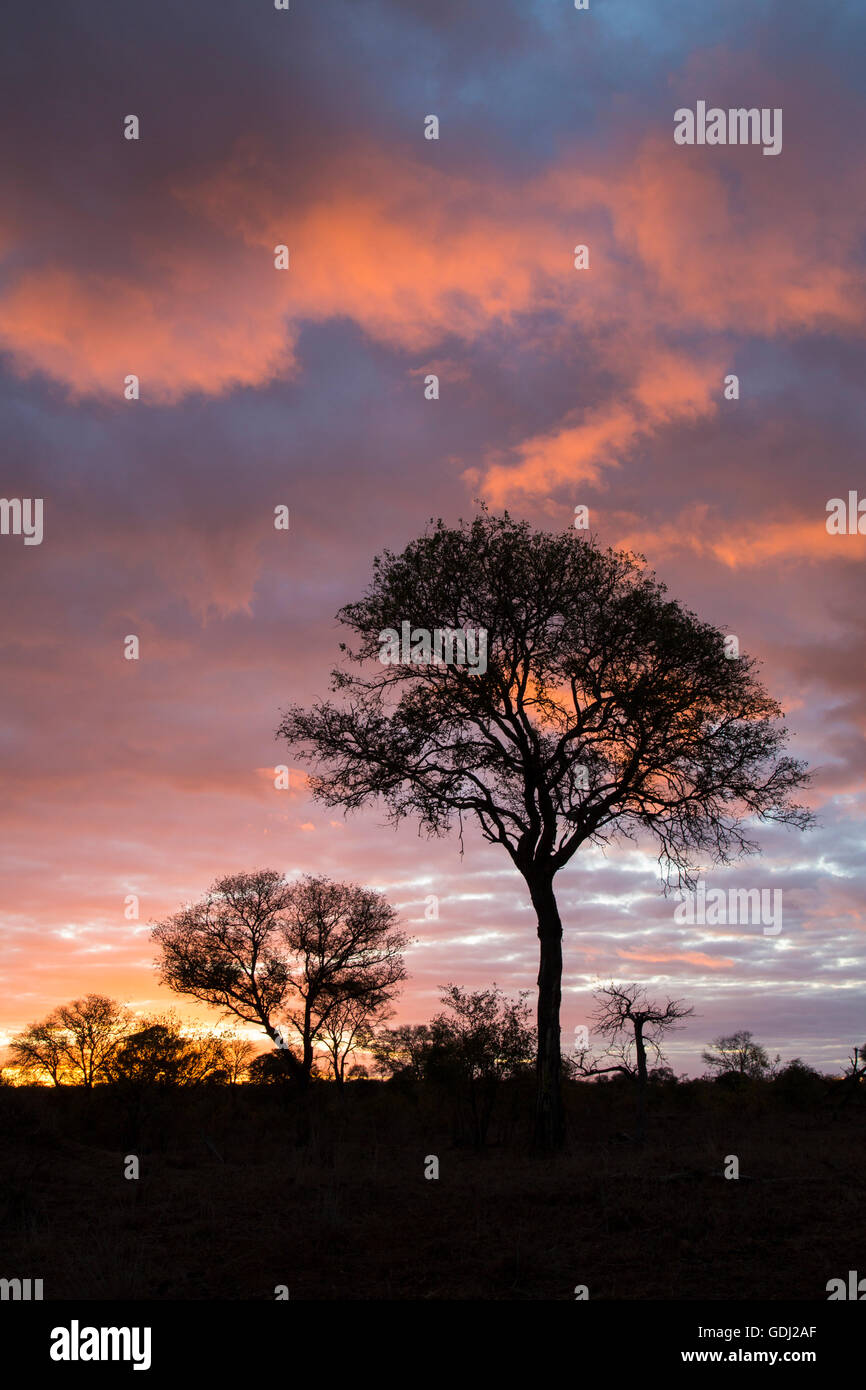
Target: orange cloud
column 91, row 331
column 742, row 543
column 671, row 388
column 413, row 255
column 688, row 957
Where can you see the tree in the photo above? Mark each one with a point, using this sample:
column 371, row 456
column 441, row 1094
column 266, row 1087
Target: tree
column 856, row 1065
column 75, row 1044
column 152, row 1056
column 604, row 709
column 283, row 955
column 662, row 1076
column 238, row 1052
column 95, row 1027
column 228, row 951
column 737, row 1055
column 38, row 1052
column 268, row 1069
column 347, row 1030
column 161, row 1053
column 480, row 1040
column 799, row 1084
column 400, row 1052
column 632, row 1025
column 854, row 1076
column 346, row 961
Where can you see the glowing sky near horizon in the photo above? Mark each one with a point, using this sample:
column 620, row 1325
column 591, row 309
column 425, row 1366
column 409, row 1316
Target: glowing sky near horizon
column 305, row 388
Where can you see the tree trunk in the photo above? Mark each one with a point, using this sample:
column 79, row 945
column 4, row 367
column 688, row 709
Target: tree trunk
column 307, row 1060
column 289, row 1060
column 642, row 1078
column 549, row 1117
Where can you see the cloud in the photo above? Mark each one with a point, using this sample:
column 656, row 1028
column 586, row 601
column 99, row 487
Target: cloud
column 698, row 958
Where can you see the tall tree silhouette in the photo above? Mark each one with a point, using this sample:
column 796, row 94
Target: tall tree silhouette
column 606, row 709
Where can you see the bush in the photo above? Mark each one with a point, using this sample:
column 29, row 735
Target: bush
column 798, row 1084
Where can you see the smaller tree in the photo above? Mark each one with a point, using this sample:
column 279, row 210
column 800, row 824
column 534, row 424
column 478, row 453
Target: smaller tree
column 798, row 1084
column 228, row 951
column 75, row 1044
column 479, row 1041
column 662, row 1076
column 738, row 1055
column 162, row 1053
column 95, row 1027
column 38, row 1053
column 347, row 1031
column 345, row 963
column 238, row 1052
column 400, row 1052
column 207, row 1058
column 633, row 1027
column 856, row 1072
column 268, row 1069
column 285, row 955
column 853, row 1083
column 152, row 1056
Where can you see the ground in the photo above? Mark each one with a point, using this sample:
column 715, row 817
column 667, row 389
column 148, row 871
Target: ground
column 235, row 1197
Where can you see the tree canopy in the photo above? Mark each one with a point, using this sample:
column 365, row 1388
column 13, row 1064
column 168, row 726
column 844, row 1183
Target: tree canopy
column 285, row 955
column 605, row 708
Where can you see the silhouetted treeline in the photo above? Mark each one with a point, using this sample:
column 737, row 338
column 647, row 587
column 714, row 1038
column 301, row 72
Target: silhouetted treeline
column 472, row 1065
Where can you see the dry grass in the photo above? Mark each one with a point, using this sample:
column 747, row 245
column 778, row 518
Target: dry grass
column 231, row 1204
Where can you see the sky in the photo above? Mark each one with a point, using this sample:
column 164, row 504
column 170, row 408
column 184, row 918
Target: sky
column 601, row 387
